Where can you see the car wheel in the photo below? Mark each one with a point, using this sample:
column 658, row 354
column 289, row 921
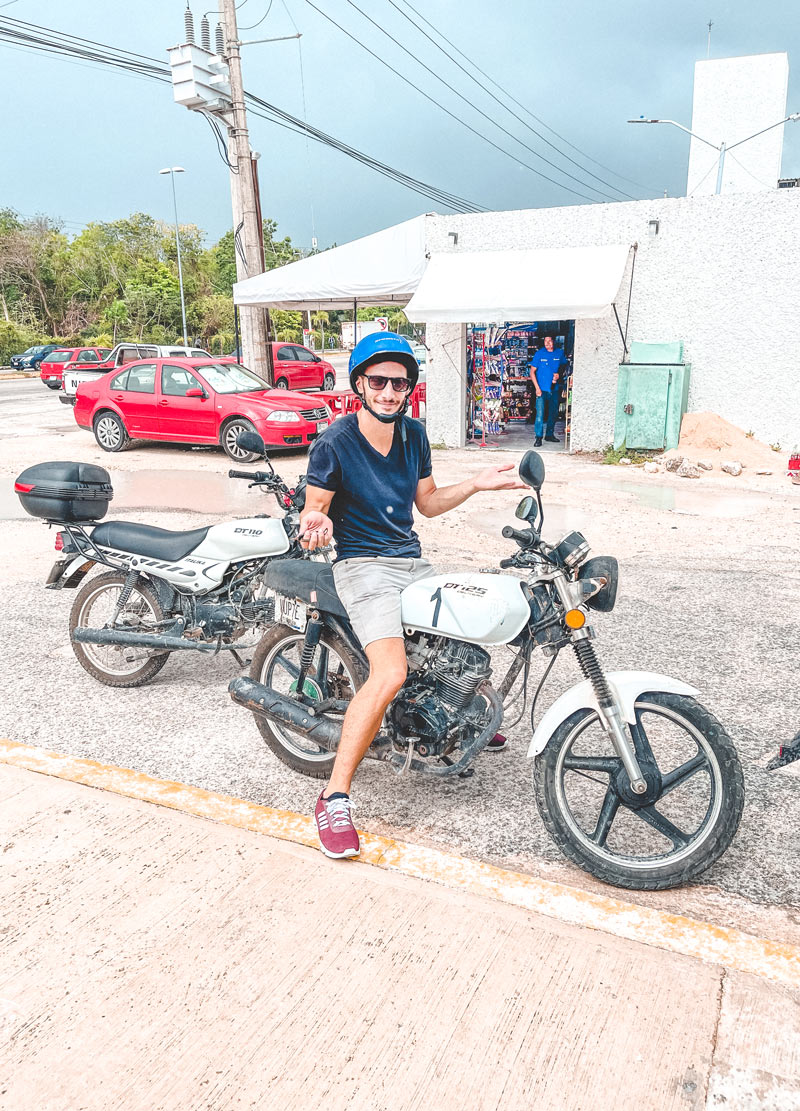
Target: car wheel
column 282, row 384
column 328, row 382
column 228, row 440
column 37, row 365
column 53, row 385
column 110, row 432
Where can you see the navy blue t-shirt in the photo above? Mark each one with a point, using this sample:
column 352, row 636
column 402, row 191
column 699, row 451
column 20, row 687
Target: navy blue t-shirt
column 373, row 495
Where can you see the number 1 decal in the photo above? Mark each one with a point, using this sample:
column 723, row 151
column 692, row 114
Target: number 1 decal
column 437, row 598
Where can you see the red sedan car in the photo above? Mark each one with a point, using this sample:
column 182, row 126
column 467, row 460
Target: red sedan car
column 54, row 364
column 195, row 401
column 296, row 368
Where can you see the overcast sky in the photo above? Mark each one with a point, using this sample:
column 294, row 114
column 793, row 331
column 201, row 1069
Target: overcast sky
column 83, row 143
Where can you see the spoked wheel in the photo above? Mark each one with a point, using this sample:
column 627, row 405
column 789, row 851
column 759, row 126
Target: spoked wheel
column 677, row 829
column 117, row 665
column 335, row 673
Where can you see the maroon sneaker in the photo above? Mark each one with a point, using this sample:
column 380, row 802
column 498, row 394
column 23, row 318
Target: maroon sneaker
column 338, row 837
column 498, row 743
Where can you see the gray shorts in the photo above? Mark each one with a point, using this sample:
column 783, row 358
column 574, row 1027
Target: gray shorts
column 370, row 588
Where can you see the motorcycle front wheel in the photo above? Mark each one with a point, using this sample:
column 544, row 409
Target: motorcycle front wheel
column 670, row 835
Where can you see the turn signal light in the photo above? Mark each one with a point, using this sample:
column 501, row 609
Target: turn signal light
column 575, row 619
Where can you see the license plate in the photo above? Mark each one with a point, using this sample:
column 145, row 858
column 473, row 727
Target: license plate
column 291, row 612
column 321, row 425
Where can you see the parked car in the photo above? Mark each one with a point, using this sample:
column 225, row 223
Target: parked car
column 195, row 401
column 64, row 358
column 33, row 356
column 123, row 353
column 296, row 368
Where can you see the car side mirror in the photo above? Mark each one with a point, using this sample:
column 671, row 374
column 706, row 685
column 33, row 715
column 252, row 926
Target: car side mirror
column 196, row 391
column 251, row 441
column 531, row 469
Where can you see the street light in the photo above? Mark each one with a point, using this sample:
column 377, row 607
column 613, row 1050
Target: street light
column 723, row 147
column 172, row 171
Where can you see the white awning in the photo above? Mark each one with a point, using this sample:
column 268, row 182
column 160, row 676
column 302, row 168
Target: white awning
column 378, row 269
column 554, row 283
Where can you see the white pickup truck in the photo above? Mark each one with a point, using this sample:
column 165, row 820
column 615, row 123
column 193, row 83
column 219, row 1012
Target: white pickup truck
column 121, row 354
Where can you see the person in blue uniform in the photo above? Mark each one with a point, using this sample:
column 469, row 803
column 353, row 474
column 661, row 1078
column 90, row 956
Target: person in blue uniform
column 547, row 369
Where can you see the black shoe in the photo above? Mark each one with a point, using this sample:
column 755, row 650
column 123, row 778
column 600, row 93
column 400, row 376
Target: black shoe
column 537, row 442
column 552, row 439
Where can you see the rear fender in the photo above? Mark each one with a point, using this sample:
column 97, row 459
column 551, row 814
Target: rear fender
column 625, row 685
column 73, row 573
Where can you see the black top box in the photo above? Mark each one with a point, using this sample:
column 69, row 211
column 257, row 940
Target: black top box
column 65, row 492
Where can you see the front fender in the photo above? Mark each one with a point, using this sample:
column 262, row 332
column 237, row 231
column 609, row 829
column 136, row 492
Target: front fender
column 625, row 685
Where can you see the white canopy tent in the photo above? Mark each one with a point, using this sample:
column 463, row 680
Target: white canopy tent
column 493, row 287
column 378, row 269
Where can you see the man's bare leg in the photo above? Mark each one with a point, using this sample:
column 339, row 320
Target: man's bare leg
column 387, row 673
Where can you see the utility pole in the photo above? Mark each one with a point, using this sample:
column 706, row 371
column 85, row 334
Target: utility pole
column 250, row 259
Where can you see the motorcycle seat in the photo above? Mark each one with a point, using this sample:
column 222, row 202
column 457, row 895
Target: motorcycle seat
column 147, row 540
column 308, row 580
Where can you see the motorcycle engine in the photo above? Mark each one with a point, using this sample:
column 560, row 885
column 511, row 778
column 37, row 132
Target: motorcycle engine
column 430, row 706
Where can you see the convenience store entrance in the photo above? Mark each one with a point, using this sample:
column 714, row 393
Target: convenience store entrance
column 501, row 395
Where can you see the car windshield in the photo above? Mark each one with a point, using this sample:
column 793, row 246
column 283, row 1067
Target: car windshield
column 231, row 378
column 33, row 350
column 59, row 356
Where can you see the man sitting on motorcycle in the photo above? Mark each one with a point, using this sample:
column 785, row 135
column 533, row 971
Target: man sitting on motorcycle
column 365, row 475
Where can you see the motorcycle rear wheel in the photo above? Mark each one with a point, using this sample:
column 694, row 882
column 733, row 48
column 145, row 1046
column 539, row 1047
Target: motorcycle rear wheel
column 674, row 833
column 93, row 608
column 336, row 674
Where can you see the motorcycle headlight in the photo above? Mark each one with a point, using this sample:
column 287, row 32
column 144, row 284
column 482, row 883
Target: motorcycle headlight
column 284, row 416
column 572, row 549
column 605, row 567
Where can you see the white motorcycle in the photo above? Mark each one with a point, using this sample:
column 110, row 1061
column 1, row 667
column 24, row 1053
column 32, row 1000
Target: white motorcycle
column 635, row 781
column 165, row 591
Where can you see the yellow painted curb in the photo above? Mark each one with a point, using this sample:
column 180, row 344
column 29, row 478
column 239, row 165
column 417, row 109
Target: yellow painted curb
column 673, row 932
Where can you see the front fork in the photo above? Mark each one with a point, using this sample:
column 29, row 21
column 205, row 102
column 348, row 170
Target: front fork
column 611, row 715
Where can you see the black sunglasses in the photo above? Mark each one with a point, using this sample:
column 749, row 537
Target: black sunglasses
column 378, row 382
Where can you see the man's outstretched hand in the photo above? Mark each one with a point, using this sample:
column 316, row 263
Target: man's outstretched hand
column 494, row 478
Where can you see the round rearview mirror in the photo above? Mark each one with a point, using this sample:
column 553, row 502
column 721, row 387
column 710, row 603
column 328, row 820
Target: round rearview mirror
column 531, row 469
column 251, row 441
column 526, row 508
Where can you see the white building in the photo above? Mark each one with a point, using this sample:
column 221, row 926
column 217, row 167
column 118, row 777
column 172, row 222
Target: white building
column 721, row 273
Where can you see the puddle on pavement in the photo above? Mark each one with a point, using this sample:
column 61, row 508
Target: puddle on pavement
column 174, row 491
column 700, row 503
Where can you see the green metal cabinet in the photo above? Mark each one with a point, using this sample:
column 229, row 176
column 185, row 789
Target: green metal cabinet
column 652, row 395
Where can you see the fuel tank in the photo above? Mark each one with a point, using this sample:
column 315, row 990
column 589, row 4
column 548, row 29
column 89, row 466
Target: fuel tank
column 245, row 539
column 466, row 605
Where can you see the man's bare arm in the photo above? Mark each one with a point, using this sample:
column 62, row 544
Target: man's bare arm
column 431, row 500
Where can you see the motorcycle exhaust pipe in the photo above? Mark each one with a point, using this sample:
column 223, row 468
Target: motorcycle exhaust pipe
column 140, row 640
column 285, row 711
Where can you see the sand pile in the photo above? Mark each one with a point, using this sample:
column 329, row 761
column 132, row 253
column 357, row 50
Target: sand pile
column 709, row 436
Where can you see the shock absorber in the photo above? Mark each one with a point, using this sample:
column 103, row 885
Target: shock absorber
column 124, row 594
column 590, row 666
column 313, row 633
column 609, row 712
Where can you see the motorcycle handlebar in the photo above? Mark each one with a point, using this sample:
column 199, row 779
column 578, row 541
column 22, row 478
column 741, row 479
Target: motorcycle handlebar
column 253, row 476
column 522, row 538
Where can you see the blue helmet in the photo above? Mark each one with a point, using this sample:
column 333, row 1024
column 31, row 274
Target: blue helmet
column 382, row 347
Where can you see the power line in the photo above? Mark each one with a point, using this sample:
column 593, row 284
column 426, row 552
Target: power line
column 527, row 111
column 497, row 99
column 446, row 110
column 264, row 16
column 72, row 48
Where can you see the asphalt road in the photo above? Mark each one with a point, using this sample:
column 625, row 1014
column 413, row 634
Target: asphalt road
column 709, row 589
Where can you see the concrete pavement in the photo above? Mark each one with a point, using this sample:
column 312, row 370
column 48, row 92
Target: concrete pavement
column 155, row 960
